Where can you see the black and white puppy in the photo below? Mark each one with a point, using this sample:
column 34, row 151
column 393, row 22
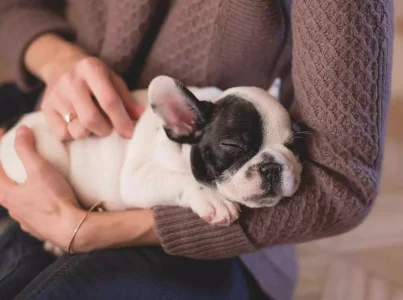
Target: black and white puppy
column 202, row 148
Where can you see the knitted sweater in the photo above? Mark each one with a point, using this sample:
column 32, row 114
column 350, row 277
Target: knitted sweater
column 334, row 57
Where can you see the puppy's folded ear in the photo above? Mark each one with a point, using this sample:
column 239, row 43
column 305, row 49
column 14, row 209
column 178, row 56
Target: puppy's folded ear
column 183, row 115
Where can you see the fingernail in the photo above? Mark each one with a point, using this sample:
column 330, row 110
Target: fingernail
column 129, row 133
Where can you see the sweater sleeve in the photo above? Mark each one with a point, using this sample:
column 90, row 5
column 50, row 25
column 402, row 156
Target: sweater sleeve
column 342, row 52
column 21, row 21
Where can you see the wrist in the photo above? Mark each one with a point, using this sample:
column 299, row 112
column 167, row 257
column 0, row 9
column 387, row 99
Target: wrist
column 68, row 219
column 49, row 55
column 116, row 230
column 59, row 64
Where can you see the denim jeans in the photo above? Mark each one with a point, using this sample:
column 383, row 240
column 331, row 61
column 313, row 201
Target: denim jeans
column 27, row 272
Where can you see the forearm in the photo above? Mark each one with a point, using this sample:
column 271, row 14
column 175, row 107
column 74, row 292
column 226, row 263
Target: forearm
column 48, row 54
column 341, row 74
column 115, row 230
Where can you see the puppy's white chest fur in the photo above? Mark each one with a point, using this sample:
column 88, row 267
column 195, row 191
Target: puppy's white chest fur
column 95, row 170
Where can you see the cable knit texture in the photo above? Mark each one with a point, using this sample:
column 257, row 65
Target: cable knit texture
column 334, row 56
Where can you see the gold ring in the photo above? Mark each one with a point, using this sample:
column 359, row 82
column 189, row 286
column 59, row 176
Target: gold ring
column 70, row 117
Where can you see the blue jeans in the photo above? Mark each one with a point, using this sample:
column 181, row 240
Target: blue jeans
column 27, row 272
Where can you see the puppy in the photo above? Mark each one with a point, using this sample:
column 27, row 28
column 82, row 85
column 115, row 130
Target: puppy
column 201, row 148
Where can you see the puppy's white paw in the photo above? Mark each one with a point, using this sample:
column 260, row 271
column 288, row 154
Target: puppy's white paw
column 211, row 206
column 52, row 249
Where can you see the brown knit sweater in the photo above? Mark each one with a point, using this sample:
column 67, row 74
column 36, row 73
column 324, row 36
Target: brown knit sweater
column 334, row 56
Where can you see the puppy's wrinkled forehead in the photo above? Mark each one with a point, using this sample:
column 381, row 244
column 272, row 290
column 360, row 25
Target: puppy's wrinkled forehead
column 275, row 121
column 235, row 118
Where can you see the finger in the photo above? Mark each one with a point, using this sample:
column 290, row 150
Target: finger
column 56, row 122
column 74, row 128
column 25, row 147
column 2, row 132
column 89, row 115
column 133, row 109
column 110, row 101
column 77, row 130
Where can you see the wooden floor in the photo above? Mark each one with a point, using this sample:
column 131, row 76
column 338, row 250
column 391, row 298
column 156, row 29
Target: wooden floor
column 366, row 263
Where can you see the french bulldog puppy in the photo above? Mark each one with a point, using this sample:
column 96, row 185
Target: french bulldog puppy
column 201, row 148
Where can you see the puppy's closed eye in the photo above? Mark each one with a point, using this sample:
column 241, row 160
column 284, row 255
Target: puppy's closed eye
column 233, row 146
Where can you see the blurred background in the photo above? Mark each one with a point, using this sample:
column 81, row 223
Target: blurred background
column 366, row 263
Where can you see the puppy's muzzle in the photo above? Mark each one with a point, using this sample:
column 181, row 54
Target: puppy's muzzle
column 271, row 171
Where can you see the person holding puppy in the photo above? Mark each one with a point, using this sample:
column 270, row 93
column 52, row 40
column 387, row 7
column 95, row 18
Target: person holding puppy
column 334, row 60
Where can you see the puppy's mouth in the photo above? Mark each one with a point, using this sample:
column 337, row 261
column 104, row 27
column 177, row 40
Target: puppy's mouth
column 266, row 199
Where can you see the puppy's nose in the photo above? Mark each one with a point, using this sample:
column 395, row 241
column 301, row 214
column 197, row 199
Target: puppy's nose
column 270, row 170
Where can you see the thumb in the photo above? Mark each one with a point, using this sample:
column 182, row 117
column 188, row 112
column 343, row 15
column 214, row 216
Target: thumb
column 24, row 145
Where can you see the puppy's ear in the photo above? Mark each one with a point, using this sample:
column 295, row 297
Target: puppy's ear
column 183, row 115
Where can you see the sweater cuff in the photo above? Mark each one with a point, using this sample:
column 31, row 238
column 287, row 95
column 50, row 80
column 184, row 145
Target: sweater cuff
column 183, row 233
column 19, row 28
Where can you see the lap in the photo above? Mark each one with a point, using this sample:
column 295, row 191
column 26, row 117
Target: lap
column 21, row 259
column 135, row 273
column 141, row 273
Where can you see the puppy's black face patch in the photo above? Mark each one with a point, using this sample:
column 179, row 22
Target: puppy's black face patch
column 233, row 135
column 297, row 144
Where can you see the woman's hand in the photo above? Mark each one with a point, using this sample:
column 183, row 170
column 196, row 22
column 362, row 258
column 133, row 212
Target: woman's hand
column 46, row 207
column 82, row 85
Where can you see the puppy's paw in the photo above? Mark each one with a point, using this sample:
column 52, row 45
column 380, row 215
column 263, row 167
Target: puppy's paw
column 52, row 249
column 212, row 206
